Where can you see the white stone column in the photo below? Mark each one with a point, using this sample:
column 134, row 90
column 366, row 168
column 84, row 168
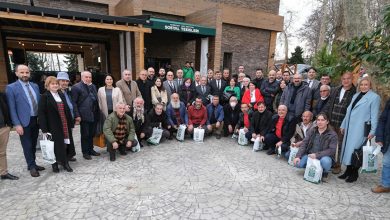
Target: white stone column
column 204, row 49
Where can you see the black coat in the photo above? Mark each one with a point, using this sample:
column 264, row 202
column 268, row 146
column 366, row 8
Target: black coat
column 4, row 110
column 231, row 115
column 383, row 128
column 259, row 84
column 187, row 94
column 155, row 120
column 261, row 122
column 86, row 102
column 204, row 96
column 146, row 92
column 269, row 91
column 240, row 123
column 215, row 90
column 50, row 122
column 139, row 125
column 288, row 128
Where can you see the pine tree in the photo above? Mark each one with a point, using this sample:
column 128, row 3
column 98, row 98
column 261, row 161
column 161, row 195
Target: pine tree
column 296, row 56
column 71, row 62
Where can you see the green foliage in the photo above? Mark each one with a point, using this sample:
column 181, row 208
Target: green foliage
column 71, row 62
column 372, row 49
column 296, row 56
column 36, row 62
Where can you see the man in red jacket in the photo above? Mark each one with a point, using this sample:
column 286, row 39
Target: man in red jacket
column 197, row 116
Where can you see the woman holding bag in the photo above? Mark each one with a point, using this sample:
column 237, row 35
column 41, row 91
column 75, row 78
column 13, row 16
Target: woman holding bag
column 55, row 118
column 364, row 108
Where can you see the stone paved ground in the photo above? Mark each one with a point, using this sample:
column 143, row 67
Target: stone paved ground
column 214, row 180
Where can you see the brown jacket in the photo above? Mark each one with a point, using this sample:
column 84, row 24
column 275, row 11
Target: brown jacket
column 128, row 95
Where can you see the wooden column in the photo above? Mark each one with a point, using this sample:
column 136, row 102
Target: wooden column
column 271, row 50
column 141, row 64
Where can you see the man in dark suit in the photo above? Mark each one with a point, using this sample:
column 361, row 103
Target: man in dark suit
column 144, row 86
column 86, row 109
column 5, row 127
column 218, row 85
column 203, row 91
column 23, row 97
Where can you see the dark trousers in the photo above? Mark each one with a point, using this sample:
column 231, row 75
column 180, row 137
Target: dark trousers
column 87, row 130
column 270, row 141
column 165, row 134
column 29, row 142
column 121, row 147
column 226, row 128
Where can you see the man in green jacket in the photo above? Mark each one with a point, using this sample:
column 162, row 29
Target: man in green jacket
column 188, row 71
column 119, row 131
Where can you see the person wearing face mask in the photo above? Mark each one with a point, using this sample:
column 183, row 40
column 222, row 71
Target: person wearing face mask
column 187, row 92
column 231, row 114
column 54, row 117
column 364, row 108
column 260, row 122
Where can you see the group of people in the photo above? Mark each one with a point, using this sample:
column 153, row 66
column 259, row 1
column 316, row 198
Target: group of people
column 282, row 111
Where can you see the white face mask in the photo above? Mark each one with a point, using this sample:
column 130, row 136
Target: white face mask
column 233, row 104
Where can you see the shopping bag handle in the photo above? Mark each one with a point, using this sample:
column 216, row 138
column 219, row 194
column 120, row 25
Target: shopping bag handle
column 368, row 143
column 48, row 136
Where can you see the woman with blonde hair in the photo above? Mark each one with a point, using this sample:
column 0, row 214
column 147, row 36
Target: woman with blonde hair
column 359, row 125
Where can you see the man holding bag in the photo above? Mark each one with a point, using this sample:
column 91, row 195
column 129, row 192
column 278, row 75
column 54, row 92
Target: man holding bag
column 119, row 131
column 383, row 140
column 197, row 116
column 320, row 143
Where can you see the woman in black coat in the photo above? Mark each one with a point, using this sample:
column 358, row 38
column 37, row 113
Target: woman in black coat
column 55, row 118
column 187, row 92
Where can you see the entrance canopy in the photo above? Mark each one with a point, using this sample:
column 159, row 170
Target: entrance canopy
column 176, row 26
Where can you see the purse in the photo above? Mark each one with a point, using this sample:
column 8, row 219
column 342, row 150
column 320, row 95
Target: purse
column 357, row 158
column 227, row 95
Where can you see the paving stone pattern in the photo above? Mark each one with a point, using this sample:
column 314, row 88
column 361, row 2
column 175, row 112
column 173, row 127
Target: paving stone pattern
column 215, row 180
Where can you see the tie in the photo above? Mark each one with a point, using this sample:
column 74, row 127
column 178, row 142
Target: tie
column 218, row 85
column 203, row 89
column 310, row 83
column 33, row 101
column 179, row 82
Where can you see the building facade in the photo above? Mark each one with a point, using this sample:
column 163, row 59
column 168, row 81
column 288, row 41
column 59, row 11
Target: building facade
column 214, row 34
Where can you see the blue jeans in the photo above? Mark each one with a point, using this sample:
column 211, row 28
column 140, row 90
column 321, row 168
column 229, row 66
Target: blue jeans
column 326, row 163
column 386, row 169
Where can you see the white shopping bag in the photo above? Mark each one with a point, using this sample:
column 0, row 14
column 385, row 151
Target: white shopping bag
column 258, row 144
column 241, row 137
column 47, row 149
column 181, row 131
column 293, row 153
column 156, row 136
column 137, row 148
column 313, row 172
column 370, row 162
column 198, row 134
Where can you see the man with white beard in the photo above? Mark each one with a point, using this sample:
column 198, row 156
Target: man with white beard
column 176, row 113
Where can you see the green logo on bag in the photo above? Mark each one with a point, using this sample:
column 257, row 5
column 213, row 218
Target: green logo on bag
column 312, row 171
column 371, row 161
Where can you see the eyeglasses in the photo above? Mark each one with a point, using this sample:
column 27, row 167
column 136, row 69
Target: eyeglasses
column 323, row 90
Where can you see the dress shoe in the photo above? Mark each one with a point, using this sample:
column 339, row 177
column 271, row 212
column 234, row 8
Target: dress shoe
column 34, row 172
column 9, row 176
column 271, row 151
column 380, row 189
column 67, row 167
column 72, row 159
column 112, row 156
column 55, row 168
column 94, row 153
column 218, row 136
column 87, row 156
column 39, row 168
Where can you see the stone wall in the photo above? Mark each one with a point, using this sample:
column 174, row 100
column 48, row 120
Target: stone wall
column 249, row 47
column 71, row 5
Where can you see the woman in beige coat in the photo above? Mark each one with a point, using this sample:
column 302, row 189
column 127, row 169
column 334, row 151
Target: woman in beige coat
column 159, row 94
column 108, row 96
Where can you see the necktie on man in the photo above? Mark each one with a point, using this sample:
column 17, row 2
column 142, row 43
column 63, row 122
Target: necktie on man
column 33, row 101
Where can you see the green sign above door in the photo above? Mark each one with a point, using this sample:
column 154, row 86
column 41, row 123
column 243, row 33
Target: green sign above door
column 183, row 27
